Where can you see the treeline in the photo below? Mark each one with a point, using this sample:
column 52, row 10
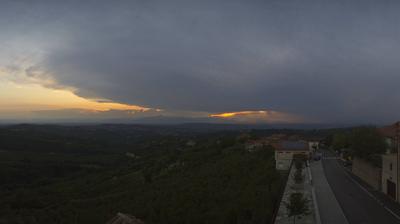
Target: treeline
column 364, row 142
column 105, row 138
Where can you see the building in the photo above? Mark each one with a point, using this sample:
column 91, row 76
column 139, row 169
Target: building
column 390, row 175
column 254, row 145
column 190, row 143
column 286, row 150
column 262, row 143
column 121, row 218
column 390, row 161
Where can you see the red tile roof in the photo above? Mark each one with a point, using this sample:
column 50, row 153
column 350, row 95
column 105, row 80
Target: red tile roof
column 391, row 130
column 291, row 146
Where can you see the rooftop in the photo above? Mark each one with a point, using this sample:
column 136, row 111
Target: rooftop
column 390, row 131
column 292, row 146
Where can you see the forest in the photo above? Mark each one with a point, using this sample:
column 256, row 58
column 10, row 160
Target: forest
column 56, row 174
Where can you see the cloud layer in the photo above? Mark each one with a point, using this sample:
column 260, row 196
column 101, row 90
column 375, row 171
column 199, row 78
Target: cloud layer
column 331, row 61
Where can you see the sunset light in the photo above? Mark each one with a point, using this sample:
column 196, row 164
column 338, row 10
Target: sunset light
column 229, row 111
column 31, row 97
column 258, row 116
column 233, row 114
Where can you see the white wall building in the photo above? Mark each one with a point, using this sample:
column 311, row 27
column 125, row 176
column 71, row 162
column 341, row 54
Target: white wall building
column 286, row 150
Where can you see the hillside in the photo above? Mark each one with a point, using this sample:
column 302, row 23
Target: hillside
column 163, row 180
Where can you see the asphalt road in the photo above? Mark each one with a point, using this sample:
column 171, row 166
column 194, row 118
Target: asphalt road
column 358, row 205
column 330, row 212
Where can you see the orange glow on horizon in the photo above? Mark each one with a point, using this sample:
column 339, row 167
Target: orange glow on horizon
column 33, row 97
column 233, row 114
column 259, row 116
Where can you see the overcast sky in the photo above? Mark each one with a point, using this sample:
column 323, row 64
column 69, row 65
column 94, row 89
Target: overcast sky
column 325, row 61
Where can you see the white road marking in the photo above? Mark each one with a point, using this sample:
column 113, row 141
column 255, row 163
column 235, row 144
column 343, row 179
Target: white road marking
column 394, row 214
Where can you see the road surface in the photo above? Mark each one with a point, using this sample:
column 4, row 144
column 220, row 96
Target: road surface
column 329, row 209
column 358, row 204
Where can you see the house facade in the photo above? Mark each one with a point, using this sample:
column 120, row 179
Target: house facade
column 286, row 150
column 390, row 161
column 390, row 176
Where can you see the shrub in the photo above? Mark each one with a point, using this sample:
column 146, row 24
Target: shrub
column 298, row 176
column 298, row 163
column 297, row 206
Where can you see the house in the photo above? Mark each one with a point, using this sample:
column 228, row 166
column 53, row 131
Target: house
column 190, row 143
column 390, row 177
column 275, row 138
column 121, row 218
column 286, row 150
column 254, row 145
column 390, row 161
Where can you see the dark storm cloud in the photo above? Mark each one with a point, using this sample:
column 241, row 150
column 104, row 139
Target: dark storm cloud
column 331, row 60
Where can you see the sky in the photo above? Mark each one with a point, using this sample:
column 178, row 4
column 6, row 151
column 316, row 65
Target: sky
column 246, row 61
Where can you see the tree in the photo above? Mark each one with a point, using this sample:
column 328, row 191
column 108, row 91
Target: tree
column 366, row 142
column 297, row 206
column 298, row 175
column 340, row 141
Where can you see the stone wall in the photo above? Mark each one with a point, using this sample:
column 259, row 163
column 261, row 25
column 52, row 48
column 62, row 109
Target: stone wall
column 367, row 172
